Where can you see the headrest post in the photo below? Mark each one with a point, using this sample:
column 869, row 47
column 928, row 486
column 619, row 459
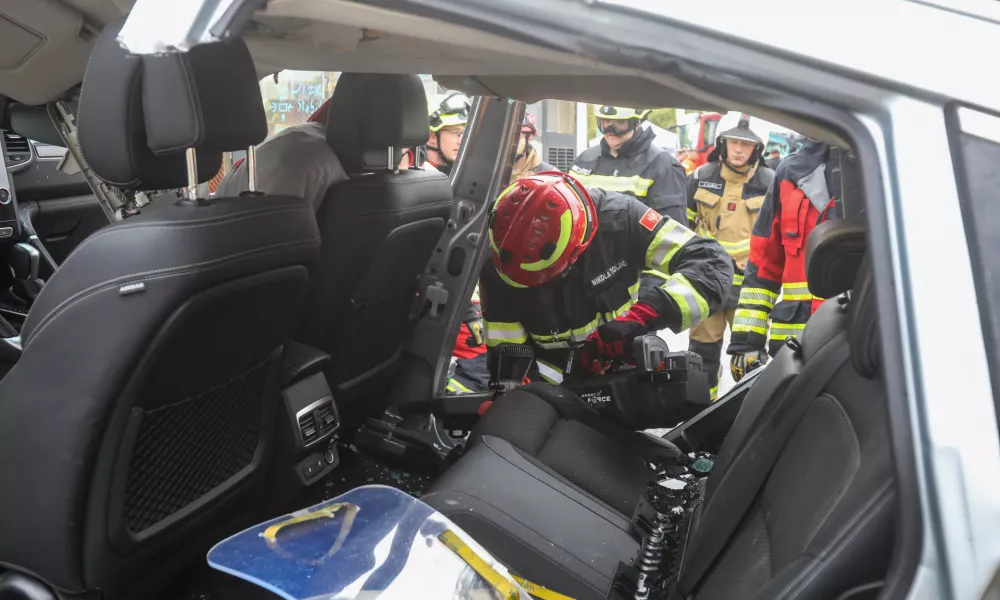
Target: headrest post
column 389, row 161
column 252, row 168
column 191, row 191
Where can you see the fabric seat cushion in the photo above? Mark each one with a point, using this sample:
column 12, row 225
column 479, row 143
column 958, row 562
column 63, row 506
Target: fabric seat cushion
column 579, row 453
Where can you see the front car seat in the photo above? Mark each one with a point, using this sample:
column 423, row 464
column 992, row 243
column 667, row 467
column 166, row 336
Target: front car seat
column 379, row 229
column 136, row 427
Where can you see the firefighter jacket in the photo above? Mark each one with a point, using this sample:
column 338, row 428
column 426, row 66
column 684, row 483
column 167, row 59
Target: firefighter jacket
column 636, row 255
column 724, row 205
column 800, row 198
column 529, row 164
column 641, row 169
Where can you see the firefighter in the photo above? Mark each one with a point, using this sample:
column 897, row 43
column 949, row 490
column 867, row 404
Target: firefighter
column 447, row 126
column 527, row 160
column 577, row 267
column 628, row 161
column 470, row 372
column 801, row 196
column 724, row 196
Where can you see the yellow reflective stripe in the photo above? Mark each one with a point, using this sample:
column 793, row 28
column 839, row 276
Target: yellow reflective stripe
column 455, row 386
column 714, row 393
column 549, row 373
column 504, row 333
column 797, row 291
column 510, row 281
column 693, row 307
column 666, row 243
column 782, row 331
column 737, row 279
column 565, row 228
column 565, row 338
column 750, row 321
column 638, row 186
column 758, row 296
column 692, row 214
column 735, row 248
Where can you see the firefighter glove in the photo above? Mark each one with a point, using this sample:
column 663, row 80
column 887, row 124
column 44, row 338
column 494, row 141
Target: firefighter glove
column 613, row 340
column 743, row 362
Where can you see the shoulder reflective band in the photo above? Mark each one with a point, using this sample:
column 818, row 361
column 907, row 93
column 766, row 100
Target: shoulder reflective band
column 692, row 214
column 549, row 373
column 713, row 393
column 693, row 307
column 538, row 591
column 758, row 297
column 750, row 320
column 666, row 243
column 504, row 333
column 635, row 185
column 737, row 279
column 507, row 589
column 783, row 331
column 797, row 291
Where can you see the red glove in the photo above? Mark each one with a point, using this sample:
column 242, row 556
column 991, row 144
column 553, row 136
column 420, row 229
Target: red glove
column 613, row 341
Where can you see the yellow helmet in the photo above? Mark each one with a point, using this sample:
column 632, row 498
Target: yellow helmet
column 453, row 110
column 621, row 113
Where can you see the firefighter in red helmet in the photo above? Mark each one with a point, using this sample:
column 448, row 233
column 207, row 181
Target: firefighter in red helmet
column 579, row 268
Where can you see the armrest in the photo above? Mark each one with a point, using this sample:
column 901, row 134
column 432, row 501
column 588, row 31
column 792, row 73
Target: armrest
column 301, row 361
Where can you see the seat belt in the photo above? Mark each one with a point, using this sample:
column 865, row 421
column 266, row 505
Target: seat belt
column 742, row 480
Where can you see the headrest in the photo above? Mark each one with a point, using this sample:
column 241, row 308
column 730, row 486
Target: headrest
column 371, row 113
column 207, row 98
column 862, row 327
column 833, row 256
column 112, row 126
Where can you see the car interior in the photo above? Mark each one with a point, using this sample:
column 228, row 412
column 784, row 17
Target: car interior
column 177, row 367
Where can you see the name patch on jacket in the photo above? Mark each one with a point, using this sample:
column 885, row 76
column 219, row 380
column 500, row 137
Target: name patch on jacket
column 580, row 170
column 650, row 219
column 596, row 281
column 710, row 185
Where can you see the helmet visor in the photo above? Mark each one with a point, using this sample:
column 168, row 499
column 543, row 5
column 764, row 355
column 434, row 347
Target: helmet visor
column 615, row 126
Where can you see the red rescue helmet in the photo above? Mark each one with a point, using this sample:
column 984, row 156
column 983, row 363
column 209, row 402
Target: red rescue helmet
column 539, row 226
column 529, row 126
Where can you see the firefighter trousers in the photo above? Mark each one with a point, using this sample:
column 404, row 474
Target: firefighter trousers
column 706, row 341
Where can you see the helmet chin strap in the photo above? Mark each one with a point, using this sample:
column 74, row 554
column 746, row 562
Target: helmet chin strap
column 444, row 159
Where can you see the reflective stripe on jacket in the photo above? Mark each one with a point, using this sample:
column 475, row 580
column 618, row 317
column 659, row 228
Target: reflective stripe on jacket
column 632, row 258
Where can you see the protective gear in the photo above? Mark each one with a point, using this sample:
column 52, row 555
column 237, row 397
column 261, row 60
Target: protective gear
column 635, row 256
column 453, row 110
column 609, row 118
column 529, row 126
column 741, row 126
column 614, row 339
column 744, row 362
column 777, row 261
column 641, row 169
column 539, row 226
column 723, row 204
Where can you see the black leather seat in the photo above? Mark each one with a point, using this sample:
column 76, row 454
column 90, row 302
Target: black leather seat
column 820, row 524
column 379, row 229
column 135, row 428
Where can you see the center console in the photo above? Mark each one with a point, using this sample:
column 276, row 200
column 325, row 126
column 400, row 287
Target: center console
column 10, row 229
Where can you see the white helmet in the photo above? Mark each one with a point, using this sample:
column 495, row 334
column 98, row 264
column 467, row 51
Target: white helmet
column 741, row 126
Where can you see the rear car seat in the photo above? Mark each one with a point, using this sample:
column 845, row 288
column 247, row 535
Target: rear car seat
column 820, row 523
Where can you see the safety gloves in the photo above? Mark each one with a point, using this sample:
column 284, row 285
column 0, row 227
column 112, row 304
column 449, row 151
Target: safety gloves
column 743, row 362
column 612, row 342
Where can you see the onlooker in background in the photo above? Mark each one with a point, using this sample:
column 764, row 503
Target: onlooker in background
column 527, row 160
column 774, row 157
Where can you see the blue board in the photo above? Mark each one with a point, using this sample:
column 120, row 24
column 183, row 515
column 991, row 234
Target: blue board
column 371, row 540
